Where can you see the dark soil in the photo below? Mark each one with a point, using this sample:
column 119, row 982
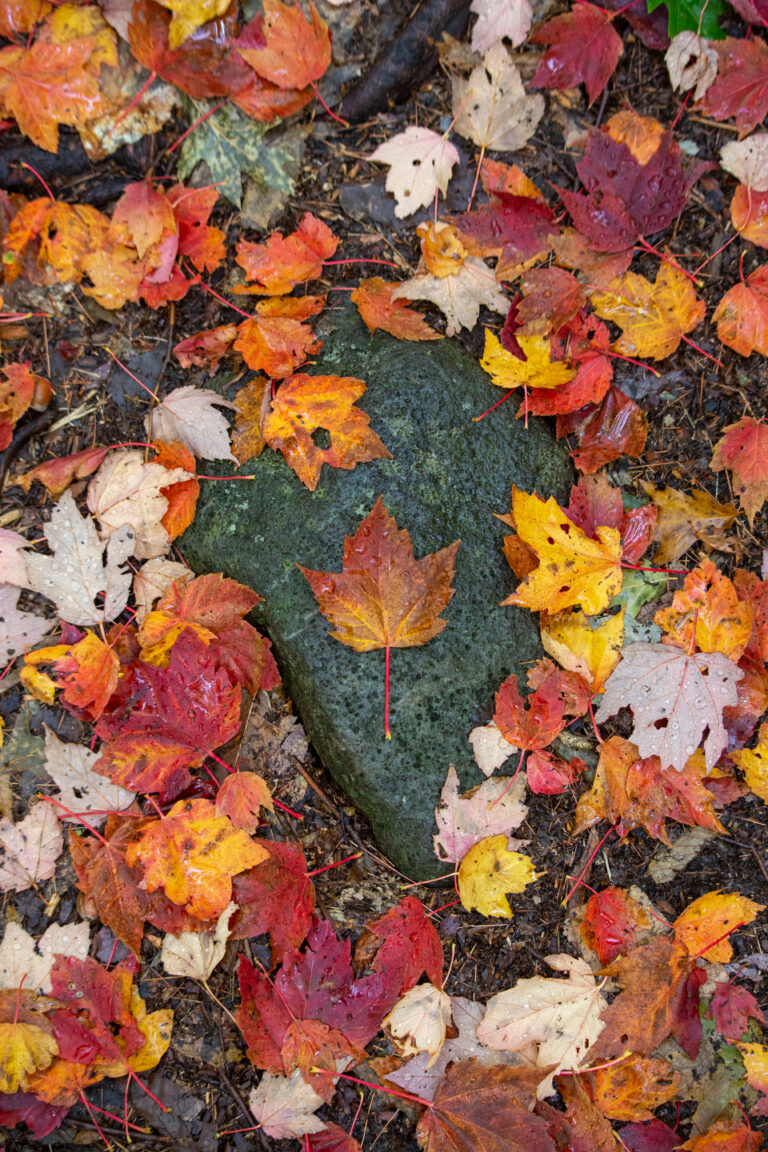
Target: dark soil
column 205, row 1076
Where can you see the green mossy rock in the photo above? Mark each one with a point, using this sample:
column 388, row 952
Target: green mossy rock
column 446, row 478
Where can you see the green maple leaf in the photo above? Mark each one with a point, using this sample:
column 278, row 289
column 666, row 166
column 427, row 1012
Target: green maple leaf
column 232, row 146
column 700, row 16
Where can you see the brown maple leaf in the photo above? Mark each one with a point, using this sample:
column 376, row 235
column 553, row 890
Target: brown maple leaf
column 383, row 597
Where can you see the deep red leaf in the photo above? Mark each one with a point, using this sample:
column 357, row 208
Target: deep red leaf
column 741, row 88
column 276, row 896
column 410, row 945
column 585, row 48
column 96, row 1020
column 650, row 1136
column 318, row 984
column 262, row 1018
column 622, row 199
column 594, row 502
column 39, row 1117
column 731, row 1008
column 605, row 431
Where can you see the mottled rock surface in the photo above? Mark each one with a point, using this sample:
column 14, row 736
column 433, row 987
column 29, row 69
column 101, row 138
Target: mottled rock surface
column 446, row 478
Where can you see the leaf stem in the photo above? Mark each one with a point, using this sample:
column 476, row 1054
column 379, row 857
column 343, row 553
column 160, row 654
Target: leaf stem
column 375, row 1087
column 387, row 733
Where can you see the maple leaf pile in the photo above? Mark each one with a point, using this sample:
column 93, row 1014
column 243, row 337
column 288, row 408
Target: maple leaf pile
column 173, row 848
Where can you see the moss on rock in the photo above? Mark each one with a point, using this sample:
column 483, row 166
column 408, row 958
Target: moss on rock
column 446, row 479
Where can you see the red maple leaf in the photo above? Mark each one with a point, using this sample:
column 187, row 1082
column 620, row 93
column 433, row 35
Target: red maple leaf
column 510, row 226
column 39, row 1117
column 95, row 1020
column 622, row 199
column 611, row 921
column 318, row 984
column 741, row 88
column 529, row 724
column 604, row 431
column 276, row 896
column 594, row 502
column 585, row 48
column 585, row 342
column 163, row 721
column 731, row 1008
column 409, row 946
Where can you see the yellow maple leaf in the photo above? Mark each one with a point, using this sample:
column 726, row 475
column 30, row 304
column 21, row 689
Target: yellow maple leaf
column 573, row 570
column 441, row 248
column 156, row 1027
column 705, row 924
column 488, row 871
column 754, row 764
column 537, row 371
column 188, row 15
column 193, row 853
column 653, row 317
column 578, row 646
column 24, row 1049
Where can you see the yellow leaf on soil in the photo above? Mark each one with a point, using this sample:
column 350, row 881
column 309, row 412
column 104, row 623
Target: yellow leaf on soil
column 488, row 871
column 706, row 923
column 593, row 652
column 573, row 569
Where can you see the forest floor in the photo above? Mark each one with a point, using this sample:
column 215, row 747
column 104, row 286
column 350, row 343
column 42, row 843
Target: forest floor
column 205, row 1076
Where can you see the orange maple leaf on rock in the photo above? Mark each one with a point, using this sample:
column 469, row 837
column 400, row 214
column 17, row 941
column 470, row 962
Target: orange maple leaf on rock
column 383, row 597
column 305, row 403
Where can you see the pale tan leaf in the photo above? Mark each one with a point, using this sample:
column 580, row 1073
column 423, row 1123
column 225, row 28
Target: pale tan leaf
column 81, row 789
column 490, row 748
column 674, row 699
column 422, row 1074
column 23, row 958
column 499, row 20
column 19, row 631
column 153, row 579
column 284, row 1106
column 29, row 850
column 126, row 491
column 13, row 561
column 691, row 61
column 76, row 573
column 420, row 161
column 561, row 1016
column 419, row 1020
column 459, row 296
column 492, row 107
column 747, row 160
column 493, row 808
column 196, row 954
column 188, row 414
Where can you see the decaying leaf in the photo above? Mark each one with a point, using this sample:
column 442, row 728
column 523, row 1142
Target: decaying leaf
column 19, row 631
column 127, row 491
column 458, row 296
column 420, row 162
column 285, row 1106
column 492, row 107
column 23, row 958
column 196, row 954
column 188, row 414
column 500, row 20
column 82, row 790
column 675, row 698
column 418, row 1021
column 561, row 1016
column 29, row 850
column 494, row 807
column 76, row 573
